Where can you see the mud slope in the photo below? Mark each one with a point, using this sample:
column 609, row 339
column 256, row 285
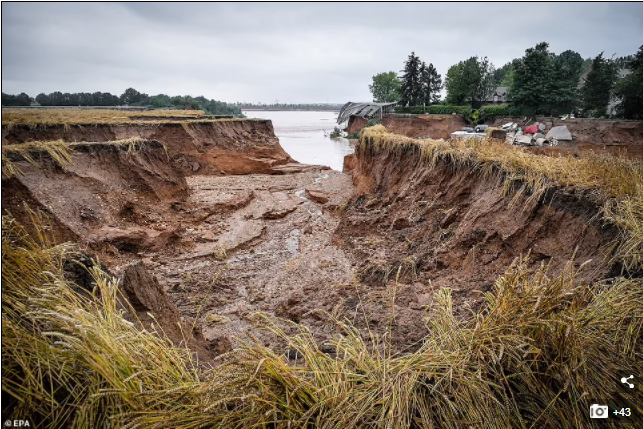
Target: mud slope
column 105, row 190
column 203, row 147
column 448, row 228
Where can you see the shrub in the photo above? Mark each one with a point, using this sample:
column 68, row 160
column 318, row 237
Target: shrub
column 336, row 133
column 372, row 122
column 435, row 109
column 489, row 113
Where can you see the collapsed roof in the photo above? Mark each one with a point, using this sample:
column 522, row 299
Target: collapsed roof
column 365, row 110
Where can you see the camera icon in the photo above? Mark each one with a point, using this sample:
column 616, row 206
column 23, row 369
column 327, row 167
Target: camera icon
column 598, row 411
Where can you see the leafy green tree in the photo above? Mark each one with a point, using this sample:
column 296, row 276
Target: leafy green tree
column 411, row 87
column 431, row 82
column 630, row 89
column 132, row 96
column 43, row 99
column 385, row 87
column 21, row 99
column 470, row 82
column 599, row 85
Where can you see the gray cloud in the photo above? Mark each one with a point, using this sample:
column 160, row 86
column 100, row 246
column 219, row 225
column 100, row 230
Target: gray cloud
column 291, row 52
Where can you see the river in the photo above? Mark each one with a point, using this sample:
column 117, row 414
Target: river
column 301, row 134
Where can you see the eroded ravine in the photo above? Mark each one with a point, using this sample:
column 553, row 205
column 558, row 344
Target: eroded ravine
column 230, row 226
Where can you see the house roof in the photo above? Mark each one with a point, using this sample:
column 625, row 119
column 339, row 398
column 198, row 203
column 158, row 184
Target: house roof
column 500, row 92
column 365, row 110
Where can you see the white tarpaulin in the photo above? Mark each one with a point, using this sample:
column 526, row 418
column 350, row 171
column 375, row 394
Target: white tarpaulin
column 559, row 133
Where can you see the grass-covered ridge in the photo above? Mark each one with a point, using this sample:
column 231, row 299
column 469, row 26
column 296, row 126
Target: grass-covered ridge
column 62, row 152
column 70, row 117
column 538, row 354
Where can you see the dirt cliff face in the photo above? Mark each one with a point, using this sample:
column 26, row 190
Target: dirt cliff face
column 101, row 189
column 598, row 135
column 415, row 126
column 207, row 147
column 424, row 126
column 433, row 227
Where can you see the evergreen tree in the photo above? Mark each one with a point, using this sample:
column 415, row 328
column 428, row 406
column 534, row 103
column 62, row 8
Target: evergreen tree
column 598, row 87
column 630, row 89
column 563, row 96
column 532, row 75
column 431, row 83
column 411, row 87
column 546, row 83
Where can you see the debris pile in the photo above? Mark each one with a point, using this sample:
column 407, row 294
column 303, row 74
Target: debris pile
column 533, row 135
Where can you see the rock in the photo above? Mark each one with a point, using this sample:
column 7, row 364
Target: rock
column 560, row 133
column 308, row 229
column 209, row 236
column 278, row 213
column 134, row 238
column 195, row 166
column 318, row 196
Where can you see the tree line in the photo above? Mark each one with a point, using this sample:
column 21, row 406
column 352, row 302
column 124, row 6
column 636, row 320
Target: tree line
column 540, row 82
column 130, row 97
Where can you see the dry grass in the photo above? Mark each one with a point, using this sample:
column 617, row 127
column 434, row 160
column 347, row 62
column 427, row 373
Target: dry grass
column 59, row 151
column 617, row 180
column 540, row 352
column 73, row 117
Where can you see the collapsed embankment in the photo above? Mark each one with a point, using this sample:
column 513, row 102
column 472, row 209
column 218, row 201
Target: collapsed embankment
column 444, row 223
column 199, row 146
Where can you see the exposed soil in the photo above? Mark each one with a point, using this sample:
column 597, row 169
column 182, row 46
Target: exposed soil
column 218, row 147
column 415, row 126
column 437, row 227
column 293, row 240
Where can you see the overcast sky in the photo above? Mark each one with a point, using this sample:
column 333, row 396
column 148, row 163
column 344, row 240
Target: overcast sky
column 291, row 52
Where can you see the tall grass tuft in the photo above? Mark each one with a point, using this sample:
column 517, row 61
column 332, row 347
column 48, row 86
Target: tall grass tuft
column 539, row 353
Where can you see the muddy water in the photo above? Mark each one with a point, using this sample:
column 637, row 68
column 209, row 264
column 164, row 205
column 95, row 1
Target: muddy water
column 301, row 134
